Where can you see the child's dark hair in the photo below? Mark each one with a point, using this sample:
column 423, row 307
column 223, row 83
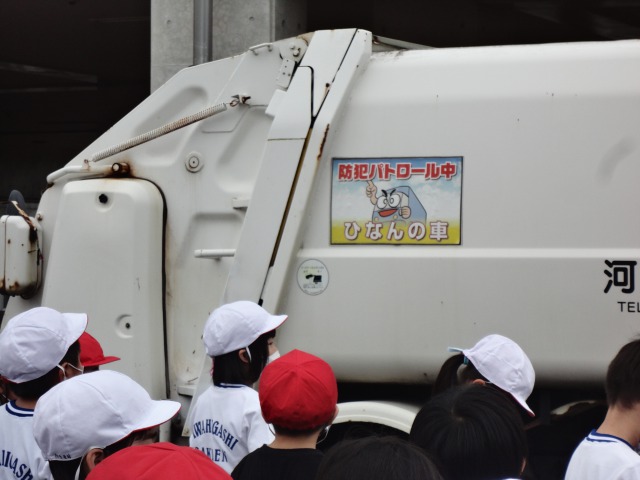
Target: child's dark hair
column 66, row 469
column 473, row 432
column 297, row 433
column 452, row 375
column 147, row 434
column 623, row 376
column 376, row 458
column 229, row 368
column 34, row 389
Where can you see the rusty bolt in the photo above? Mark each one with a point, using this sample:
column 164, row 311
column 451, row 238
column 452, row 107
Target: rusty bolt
column 120, row 168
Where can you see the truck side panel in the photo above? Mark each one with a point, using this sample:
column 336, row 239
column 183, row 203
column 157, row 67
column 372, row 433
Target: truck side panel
column 547, row 142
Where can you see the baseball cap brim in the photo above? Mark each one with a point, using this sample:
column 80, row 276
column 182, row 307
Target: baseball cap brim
column 77, row 324
column 274, row 322
column 160, row 412
column 100, row 361
column 524, row 405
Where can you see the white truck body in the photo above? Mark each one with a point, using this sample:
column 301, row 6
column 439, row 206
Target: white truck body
column 524, row 159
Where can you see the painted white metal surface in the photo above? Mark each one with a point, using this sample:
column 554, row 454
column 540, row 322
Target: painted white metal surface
column 325, row 54
column 392, row 414
column 549, row 140
column 20, row 263
column 549, row 144
column 287, row 141
column 107, row 254
column 353, row 65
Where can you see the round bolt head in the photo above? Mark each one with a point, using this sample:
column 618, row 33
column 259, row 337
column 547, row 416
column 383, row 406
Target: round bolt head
column 193, row 163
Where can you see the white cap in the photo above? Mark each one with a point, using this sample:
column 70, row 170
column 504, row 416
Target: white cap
column 237, row 325
column 501, row 361
column 94, row 410
column 35, row 341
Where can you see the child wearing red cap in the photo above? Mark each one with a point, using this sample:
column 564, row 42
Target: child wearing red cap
column 298, row 396
column 92, row 355
column 159, row 461
column 225, row 421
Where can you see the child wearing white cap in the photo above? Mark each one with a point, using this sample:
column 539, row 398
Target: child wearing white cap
column 38, row 349
column 80, row 422
column 495, row 359
column 225, row 421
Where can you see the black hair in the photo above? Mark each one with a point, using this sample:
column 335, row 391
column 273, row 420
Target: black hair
column 623, row 377
column 229, row 368
column 473, row 432
column 297, row 433
column 34, row 389
column 5, row 393
column 376, row 458
column 66, row 469
column 139, row 435
column 451, row 375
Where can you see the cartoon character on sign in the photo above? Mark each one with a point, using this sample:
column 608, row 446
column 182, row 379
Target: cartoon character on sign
column 398, row 204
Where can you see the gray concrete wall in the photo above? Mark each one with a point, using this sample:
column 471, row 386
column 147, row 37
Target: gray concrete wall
column 171, row 39
column 235, row 25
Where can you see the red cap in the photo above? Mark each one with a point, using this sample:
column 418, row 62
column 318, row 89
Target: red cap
column 91, row 354
column 157, row 461
column 298, row 391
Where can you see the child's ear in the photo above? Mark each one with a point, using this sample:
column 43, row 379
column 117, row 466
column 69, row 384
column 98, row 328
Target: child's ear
column 61, row 375
column 242, row 353
column 335, row 414
column 93, row 458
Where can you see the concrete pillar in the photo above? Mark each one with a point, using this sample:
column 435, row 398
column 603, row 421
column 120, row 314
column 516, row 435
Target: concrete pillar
column 171, row 39
column 239, row 25
column 236, row 26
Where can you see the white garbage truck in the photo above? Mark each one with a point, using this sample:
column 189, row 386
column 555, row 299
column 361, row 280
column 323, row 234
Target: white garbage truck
column 392, row 200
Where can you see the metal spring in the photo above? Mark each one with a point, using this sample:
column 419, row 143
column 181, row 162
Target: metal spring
column 158, row 132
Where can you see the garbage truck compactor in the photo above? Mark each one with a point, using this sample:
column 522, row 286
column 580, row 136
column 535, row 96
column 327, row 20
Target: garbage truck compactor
column 393, row 201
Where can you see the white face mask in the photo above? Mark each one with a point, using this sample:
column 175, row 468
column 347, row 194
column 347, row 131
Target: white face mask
column 274, row 356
